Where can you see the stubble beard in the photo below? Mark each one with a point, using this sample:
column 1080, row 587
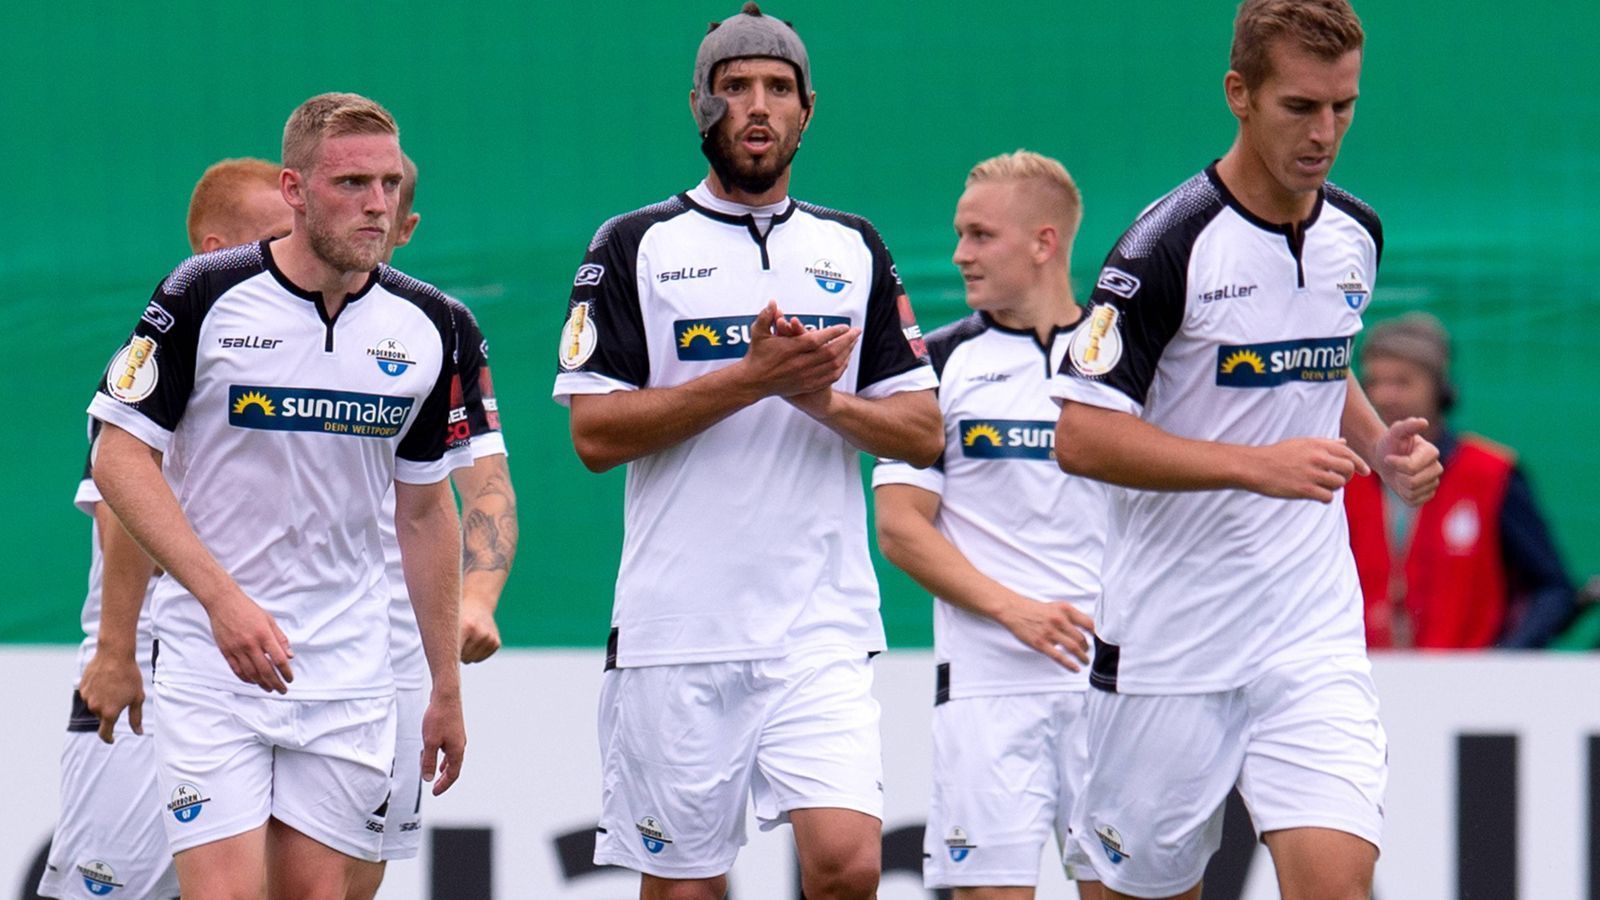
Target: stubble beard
column 343, row 255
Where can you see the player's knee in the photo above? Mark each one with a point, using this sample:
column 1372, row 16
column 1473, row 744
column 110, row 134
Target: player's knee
column 674, row 889
column 852, row 876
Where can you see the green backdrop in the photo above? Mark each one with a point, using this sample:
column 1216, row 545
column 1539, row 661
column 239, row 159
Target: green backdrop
column 1476, row 140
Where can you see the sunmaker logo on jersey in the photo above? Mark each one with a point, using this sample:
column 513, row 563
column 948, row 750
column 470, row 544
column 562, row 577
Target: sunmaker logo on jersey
column 728, row 337
column 311, row 409
column 1269, row 365
column 1007, row 438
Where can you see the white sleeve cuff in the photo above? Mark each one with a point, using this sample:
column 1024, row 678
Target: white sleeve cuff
column 893, row 471
column 919, row 379
column 115, row 412
column 570, row 383
column 413, row 472
column 1094, row 393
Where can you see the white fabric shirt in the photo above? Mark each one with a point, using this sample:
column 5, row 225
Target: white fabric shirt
column 1005, row 504
column 1214, row 325
column 748, row 540
column 286, row 429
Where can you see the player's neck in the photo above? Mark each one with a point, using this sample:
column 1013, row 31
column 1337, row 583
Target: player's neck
column 1044, row 310
column 732, row 194
column 311, row 273
column 1245, row 175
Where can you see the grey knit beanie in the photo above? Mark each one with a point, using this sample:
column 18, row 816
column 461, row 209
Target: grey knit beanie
column 744, row 35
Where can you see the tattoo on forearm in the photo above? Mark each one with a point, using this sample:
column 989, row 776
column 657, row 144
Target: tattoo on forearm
column 489, row 529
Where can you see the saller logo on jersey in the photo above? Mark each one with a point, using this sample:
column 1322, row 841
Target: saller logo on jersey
column 1269, row 365
column 1007, row 438
column 312, row 409
column 728, row 337
column 1097, row 345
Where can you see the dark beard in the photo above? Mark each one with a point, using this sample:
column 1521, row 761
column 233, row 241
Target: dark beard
column 718, row 147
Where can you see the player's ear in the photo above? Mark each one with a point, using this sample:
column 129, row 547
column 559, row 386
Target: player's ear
column 292, row 186
column 1045, row 241
column 407, row 229
column 1237, row 94
column 211, row 242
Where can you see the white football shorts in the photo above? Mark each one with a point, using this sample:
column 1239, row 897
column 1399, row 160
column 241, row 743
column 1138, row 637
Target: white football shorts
column 1302, row 741
column 683, row 747
column 227, row 762
column 1007, row 771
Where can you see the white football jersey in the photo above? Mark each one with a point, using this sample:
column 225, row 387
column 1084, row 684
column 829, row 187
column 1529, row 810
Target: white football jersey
column 748, row 540
column 1214, row 325
column 1005, row 504
column 286, row 428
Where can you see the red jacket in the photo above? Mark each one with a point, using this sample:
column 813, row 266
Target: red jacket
column 1454, row 588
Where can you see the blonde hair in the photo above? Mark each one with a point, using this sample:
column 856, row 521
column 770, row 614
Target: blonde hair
column 215, row 206
column 331, row 115
column 1328, row 29
column 1059, row 196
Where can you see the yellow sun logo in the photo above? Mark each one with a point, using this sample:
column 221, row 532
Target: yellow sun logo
column 981, row 432
column 699, row 331
column 1244, row 358
column 256, row 399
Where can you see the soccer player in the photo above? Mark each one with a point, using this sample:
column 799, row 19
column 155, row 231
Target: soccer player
column 738, row 349
column 109, row 834
column 290, row 382
column 1009, row 546
column 237, row 201
column 1212, row 379
column 489, row 542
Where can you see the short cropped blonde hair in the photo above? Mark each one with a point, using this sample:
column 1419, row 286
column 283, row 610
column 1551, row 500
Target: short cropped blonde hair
column 331, row 115
column 1059, row 193
column 214, row 206
column 1327, row 29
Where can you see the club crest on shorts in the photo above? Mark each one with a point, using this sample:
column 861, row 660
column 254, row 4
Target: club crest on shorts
column 653, row 834
column 98, row 877
column 1111, row 842
column 958, row 845
column 577, row 337
column 187, row 802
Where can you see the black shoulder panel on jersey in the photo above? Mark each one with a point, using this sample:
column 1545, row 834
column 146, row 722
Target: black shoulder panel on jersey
column 1357, row 209
column 631, row 226
column 440, row 423
column 1179, row 216
column 472, row 358
column 942, row 343
column 220, row 269
column 891, row 341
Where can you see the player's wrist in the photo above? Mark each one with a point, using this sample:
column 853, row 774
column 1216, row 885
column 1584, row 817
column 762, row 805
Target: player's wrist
column 111, row 650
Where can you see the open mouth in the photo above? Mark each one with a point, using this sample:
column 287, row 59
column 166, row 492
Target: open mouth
column 757, row 140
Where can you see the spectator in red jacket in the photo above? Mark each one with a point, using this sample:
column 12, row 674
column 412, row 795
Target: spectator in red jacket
column 1474, row 566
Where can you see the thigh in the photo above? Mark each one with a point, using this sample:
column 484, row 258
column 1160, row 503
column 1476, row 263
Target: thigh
column 231, row 867
column 305, row 868
column 1160, row 768
column 820, row 745
column 402, row 829
column 1317, row 756
column 676, row 745
column 995, row 790
column 213, row 763
column 109, row 834
column 1321, row 862
column 331, row 782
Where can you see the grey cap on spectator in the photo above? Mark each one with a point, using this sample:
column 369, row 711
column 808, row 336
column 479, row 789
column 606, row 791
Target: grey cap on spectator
column 747, row 34
column 1417, row 338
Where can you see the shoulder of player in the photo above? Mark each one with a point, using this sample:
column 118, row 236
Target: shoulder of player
column 1355, row 208
column 446, row 312
column 848, row 220
column 944, row 340
column 216, row 271
column 629, row 227
column 1174, row 221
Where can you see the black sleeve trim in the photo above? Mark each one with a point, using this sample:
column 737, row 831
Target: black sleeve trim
column 472, row 359
column 441, row 424
column 944, row 340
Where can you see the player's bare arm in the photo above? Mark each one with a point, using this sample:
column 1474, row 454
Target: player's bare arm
column 907, row 536
column 111, row 679
column 1119, row 448
column 424, row 512
column 1406, row 461
column 488, row 545
column 611, row 429
column 128, row 473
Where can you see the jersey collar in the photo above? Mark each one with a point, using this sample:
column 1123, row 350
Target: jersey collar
column 1289, row 229
column 310, row 296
